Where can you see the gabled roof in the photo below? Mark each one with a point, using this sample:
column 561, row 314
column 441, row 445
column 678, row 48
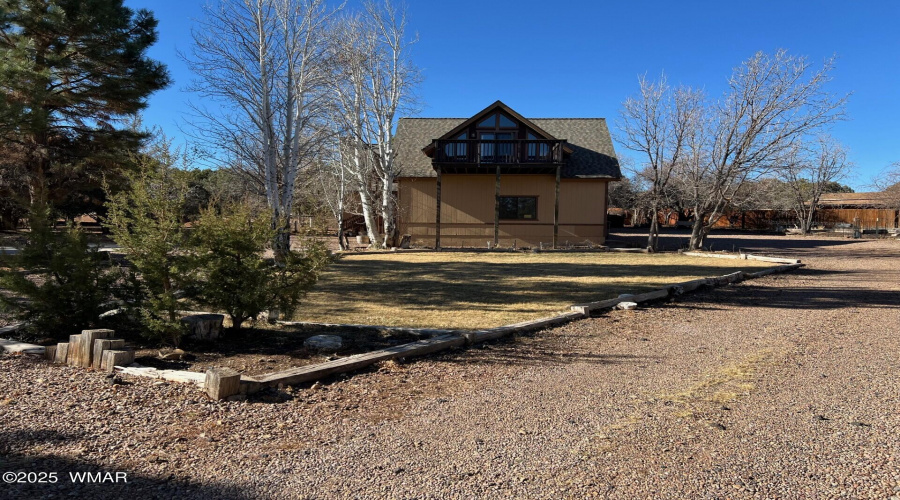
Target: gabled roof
column 855, row 199
column 493, row 108
column 592, row 153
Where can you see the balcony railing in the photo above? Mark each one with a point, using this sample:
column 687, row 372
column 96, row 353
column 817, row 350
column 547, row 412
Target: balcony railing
column 499, row 151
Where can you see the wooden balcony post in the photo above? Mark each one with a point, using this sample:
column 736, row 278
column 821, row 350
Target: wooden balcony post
column 497, row 208
column 556, row 208
column 437, row 217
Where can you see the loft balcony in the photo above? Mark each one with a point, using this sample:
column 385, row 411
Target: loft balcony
column 469, row 155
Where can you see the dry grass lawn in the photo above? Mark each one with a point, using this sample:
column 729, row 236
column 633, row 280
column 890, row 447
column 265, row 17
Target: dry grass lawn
column 481, row 290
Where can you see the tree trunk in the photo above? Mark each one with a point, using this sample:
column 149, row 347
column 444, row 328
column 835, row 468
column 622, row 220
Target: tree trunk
column 387, row 213
column 341, row 237
column 653, row 236
column 697, row 234
column 281, row 245
column 810, row 214
column 369, row 216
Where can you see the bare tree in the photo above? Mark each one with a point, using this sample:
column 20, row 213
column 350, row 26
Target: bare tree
column 773, row 101
column 808, row 173
column 335, row 187
column 264, row 63
column 656, row 124
column 888, row 183
column 374, row 85
column 351, row 47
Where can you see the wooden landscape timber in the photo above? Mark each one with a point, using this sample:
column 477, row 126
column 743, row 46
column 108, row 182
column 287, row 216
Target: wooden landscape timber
column 742, row 256
column 16, row 347
column 101, row 345
column 773, row 270
column 62, row 352
column 315, row 372
column 113, row 358
column 221, row 383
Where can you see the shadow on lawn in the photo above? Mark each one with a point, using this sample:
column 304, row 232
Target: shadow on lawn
column 15, row 457
column 732, row 241
column 494, row 286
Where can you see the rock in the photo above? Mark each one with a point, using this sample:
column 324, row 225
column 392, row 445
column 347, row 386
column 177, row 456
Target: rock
column 324, row 342
column 175, row 355
column 626, row 306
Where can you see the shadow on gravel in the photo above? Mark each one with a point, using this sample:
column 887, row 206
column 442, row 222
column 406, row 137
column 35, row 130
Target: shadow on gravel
column 526, row 354
column 811, row 298
column 139, row 485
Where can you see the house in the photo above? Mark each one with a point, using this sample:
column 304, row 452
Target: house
column 499, row 179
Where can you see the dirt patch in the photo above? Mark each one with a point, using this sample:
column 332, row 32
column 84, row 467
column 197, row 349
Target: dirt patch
column 255, row 351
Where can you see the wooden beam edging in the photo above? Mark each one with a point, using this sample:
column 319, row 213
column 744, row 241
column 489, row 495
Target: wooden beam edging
column 419, row 348
column 248, row 384
column 773, row 270
column 309, row 373
column 14, row 346
column 742, row 256
column 777, row 260
column 681, row 288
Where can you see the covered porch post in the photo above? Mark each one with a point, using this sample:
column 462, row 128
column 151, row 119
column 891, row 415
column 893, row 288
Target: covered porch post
column 437, row 217
column 497, row 208
column 556, row 209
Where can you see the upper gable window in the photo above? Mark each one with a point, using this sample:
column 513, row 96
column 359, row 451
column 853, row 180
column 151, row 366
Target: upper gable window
column 498, row 120
column 507, row 123
column 489, row 122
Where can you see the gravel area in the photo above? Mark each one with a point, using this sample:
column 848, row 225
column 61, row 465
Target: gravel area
column 786, row 386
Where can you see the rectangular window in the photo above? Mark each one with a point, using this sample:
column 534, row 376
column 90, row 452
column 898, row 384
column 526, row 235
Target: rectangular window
column 518, row 207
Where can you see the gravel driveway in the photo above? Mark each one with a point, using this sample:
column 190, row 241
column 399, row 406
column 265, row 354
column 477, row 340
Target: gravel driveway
column 787, row 386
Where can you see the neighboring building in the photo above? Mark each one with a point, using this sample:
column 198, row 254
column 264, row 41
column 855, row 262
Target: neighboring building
column 498, row 178
column 876, row 210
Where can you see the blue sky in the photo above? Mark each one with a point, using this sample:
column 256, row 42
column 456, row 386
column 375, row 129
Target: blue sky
column 582, row 58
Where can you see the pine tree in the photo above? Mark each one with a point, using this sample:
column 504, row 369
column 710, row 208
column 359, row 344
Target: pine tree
column 71, row 71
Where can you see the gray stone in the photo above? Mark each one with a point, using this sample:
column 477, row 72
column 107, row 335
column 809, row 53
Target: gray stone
column 324, row 342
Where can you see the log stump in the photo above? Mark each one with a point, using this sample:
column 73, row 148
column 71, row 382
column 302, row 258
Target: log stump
column 204, row 326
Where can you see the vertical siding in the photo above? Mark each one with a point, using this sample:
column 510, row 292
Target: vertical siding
column 467, row 210
column 582, row 201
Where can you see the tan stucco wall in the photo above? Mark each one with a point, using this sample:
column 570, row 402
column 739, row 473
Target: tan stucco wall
column 467, row 210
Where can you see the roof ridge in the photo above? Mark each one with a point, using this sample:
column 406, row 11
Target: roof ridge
column 569, row 118
column 457, row 118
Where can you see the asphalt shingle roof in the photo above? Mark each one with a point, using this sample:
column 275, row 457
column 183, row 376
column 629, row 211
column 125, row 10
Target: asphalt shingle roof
column 593, row 156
